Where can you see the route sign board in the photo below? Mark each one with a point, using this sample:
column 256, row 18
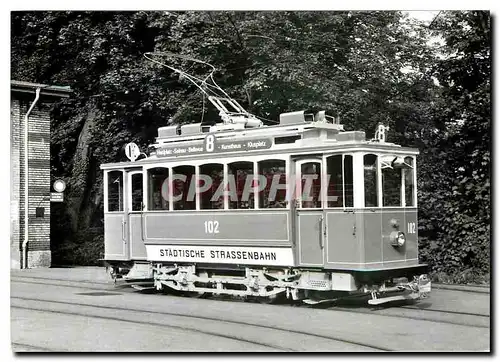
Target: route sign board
column 56, row 197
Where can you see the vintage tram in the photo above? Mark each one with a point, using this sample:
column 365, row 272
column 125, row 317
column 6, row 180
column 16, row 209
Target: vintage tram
column 302, row 209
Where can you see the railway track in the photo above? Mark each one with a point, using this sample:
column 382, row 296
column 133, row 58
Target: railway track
column 284, row 332
column 24, row 347
column 400, row 312
column 83, row 284
column 425, row 315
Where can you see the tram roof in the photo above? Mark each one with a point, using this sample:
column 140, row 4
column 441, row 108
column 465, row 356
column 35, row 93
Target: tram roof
column 294, row 136
column 301, row 147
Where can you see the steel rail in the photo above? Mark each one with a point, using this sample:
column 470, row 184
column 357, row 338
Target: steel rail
column 209, row 319
column 321, row 306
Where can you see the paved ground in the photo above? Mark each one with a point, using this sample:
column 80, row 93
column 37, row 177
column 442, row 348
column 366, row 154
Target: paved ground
column 79, row 309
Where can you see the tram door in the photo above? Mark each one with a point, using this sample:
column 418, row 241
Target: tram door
column 115, row 243
column 310, row 219
column 134, row 217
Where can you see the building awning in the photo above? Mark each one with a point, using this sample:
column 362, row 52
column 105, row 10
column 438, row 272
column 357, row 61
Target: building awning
column 49, row 90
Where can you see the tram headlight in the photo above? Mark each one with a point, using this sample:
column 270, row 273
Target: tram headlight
column 398, row 238
column 401, row 238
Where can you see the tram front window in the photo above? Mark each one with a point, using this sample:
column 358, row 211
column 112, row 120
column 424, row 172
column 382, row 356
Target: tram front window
column 370, row 171
column 391, row 186
column 348, row 181
column 409, row 182
column 335, row 181
column 340, row 183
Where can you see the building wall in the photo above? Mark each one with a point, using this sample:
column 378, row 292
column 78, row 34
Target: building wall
column 38, row 249
column 15, row 197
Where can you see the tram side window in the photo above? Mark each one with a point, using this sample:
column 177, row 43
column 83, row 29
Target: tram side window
column 240, row 181
column 211, row 189
column 370, row 171
column 335, row 181
column 272, row 182
column 137, row 192
column 183, row 185
column 115, row 191
column 391, row 186
column 409, row 182
column 158, row 188
column 311, row 185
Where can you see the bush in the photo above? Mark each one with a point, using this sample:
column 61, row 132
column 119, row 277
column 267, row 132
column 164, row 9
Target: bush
column 87, row 250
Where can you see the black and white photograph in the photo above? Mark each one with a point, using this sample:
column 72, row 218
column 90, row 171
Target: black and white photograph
column 250, row 181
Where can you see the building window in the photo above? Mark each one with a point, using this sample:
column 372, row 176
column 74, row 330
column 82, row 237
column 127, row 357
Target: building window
column 272, row 183
column 240, row 182
column 370, row 172
column 158, row 188
column 136, row 189
column 184, row 188
column 211, row 186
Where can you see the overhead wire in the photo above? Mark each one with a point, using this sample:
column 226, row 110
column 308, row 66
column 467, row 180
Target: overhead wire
column 198, row 82
column 203, row 85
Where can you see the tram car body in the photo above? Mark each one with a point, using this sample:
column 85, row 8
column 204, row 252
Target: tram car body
column 302, row 209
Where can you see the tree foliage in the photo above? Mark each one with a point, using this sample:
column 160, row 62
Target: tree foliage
column 364, row 67
column 455, row 220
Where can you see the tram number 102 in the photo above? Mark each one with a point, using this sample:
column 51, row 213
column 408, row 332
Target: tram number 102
column 411, row 228
column 211, row 227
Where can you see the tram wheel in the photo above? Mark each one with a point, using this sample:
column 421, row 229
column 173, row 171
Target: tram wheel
column 270, row 299
column 196, row 294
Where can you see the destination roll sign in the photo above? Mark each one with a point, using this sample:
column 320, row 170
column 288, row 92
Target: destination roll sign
column 212, row 145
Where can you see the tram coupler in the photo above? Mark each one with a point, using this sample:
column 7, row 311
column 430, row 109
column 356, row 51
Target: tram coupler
column 419, row 288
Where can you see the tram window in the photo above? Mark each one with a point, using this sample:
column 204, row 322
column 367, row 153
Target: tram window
column 273, row 194
column 409, row 182
column 240, row 181
column 370, row 172
column 391, row 186
column 158, row 188
column 348, row 182
column 115, row 191
column 183, row 188
column 211, row 179
column 311, row 185
column 136, row 188
column 335, row 181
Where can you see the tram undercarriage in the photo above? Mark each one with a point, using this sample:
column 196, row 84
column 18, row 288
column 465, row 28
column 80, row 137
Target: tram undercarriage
column 268, row 284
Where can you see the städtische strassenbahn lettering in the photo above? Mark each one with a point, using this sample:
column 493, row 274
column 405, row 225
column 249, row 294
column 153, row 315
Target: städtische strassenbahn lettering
column 218, row 254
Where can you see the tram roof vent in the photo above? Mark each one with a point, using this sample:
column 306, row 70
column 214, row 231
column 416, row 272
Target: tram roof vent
column 219, row 127
column 353, row 136
column 301, row 117
column 189, row 129
column 168, row 131
column 289, row 118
